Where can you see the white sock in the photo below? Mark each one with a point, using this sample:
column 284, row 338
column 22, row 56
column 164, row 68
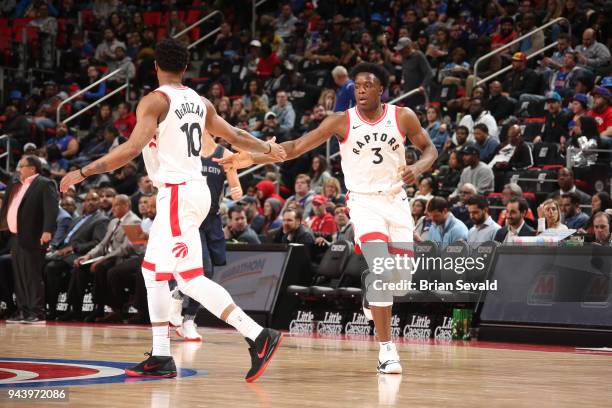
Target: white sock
column 161, row 340
column 244, row 324
column 387, row 351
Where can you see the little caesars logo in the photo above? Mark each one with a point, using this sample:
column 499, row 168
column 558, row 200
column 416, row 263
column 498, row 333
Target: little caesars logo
column 331, row 324
column 418, row 328
column 396, row 330
column 303, row 323
column 443, row 332
column 360, row 325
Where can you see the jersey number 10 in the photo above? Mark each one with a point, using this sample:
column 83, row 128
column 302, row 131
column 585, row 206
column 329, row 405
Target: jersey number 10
column 189, row 132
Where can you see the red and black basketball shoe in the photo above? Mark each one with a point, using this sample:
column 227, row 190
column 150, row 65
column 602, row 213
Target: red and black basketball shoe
column 262, row 350
column 153, row 367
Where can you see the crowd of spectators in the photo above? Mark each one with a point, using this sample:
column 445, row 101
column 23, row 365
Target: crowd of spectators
column 493, row 138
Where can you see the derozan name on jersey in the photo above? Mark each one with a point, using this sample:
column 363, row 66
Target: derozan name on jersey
column 392, row 142
column 189, row 108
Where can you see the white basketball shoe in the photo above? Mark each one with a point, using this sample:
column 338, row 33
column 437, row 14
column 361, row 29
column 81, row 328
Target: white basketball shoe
column 388, row 360
column 188, row 331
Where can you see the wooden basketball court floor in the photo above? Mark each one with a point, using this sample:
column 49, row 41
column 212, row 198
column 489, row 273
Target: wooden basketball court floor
column 315, row 371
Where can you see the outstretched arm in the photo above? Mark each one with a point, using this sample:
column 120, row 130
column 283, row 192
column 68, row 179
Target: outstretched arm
column 239, row 138
column 333, row 124
column 410, row 125
column 150, row 109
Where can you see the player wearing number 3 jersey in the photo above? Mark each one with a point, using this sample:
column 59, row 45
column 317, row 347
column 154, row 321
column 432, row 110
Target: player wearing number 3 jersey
column 169, row 130
column 372, row 137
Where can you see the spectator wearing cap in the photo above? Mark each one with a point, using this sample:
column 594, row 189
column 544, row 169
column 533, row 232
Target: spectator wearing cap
column 602, row 112
column 475, row 172
column 321, row 223
column 237, row 229
column 271, row 128
column 253, row 211
column 484, row 142
column 592, row 55
column 446, row 229
column 606, row 82
column 578, row 107
column 345, row 93
column 416, row 72
column 556, row 128
column 521, row 80
column 284, row 111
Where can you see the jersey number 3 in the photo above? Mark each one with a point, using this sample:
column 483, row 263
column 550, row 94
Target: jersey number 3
column 379, row 158
column 189, row 130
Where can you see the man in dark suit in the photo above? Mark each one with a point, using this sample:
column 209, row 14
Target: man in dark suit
column 113, row 249
column 84, row 233
column 565, row 179
column 515, row 221
column 29, row 212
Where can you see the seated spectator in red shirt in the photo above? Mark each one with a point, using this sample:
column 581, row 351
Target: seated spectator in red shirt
column 267, row 62
column 602, row 111
column 321, row 223
column 126, row 120
column 505, row 35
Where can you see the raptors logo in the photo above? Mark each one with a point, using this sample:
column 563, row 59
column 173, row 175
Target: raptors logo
column 180, row 250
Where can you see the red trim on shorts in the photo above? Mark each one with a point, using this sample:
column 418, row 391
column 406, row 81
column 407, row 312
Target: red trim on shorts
column 192, row 273
column 397, row 123
column 148, row 266
column 175, row 227
column 348, row 127
column 164, row 276
column 400, row 251
column 382, row 116
column 372, row 236
column 165, row 95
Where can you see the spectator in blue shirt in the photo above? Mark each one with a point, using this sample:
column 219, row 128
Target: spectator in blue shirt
column 446, row 228
column 573, row 216
column 435, row 128
column 485, row 144
column 345, row 94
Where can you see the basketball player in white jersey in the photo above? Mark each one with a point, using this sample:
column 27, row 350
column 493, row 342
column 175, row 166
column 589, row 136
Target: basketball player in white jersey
column 170, row 122
column 372, row 137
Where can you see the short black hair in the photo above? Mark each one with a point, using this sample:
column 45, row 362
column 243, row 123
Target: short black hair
column 479, row 201
column 171, row 55
column 464, row 128
column 482, row 127
column 523, row 206
column 235, row 209
column 378, row 71
column 35, row 162
column 573, row 197
column 437, row 204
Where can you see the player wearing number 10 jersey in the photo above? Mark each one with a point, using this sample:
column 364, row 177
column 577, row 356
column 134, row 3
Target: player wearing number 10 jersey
column 169, row 130
column 372, row 137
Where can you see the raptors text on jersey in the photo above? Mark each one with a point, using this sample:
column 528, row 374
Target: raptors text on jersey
column 372, row 152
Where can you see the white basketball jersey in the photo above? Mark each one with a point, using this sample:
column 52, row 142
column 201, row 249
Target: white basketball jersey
column 173, row 155
column 372, row 152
